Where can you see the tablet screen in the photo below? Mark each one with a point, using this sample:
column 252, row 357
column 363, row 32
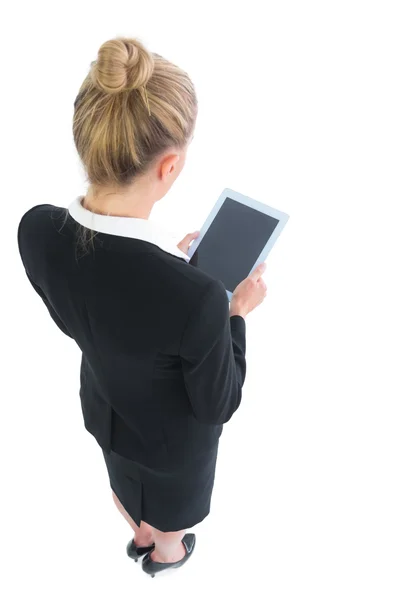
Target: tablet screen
column 233, row 242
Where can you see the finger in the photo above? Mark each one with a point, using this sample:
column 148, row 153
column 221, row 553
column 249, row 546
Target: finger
column 258, row 271
column 189, row 237
column 262, row 283
column 185, row 243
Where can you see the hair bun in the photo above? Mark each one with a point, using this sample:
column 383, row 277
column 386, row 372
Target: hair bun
column 122, row 64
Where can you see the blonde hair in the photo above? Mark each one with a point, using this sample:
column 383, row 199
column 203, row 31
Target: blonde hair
column 132, row 106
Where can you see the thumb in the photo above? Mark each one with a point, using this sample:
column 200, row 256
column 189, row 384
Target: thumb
column 192, row 236
column 258, row 271
column 184, row 244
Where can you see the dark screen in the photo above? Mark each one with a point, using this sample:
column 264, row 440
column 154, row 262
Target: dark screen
column 233, row 242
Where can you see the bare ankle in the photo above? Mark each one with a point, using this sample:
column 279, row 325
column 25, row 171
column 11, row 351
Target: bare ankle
column 179, row 553
column 143, row 541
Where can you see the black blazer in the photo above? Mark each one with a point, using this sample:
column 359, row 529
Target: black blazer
column 163, row 363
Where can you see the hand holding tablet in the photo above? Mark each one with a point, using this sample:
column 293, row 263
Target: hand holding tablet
column 235, row 238
column 249, row 293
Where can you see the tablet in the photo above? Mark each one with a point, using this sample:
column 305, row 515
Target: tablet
column 236, row 237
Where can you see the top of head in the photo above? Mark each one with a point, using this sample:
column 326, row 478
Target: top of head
column 151, row 107
column 122, row 64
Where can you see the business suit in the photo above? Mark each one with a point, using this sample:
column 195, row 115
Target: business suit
column 163, row 363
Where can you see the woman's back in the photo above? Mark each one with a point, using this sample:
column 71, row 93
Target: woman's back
column 126, row 302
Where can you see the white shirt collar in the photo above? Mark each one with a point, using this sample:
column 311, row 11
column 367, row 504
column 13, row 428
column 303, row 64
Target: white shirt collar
column 133, row 227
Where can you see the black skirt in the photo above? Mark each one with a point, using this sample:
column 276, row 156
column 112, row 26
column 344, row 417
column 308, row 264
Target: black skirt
column 167, row 499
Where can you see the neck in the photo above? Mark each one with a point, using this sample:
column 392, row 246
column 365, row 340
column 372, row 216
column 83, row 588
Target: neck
column 136, row 200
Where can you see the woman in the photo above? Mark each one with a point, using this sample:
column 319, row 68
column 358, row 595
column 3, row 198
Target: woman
column 163, row 353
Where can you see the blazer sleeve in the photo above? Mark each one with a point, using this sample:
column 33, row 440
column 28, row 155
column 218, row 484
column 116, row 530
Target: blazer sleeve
column 212, row 351
column 51, row 310
column 38, row 289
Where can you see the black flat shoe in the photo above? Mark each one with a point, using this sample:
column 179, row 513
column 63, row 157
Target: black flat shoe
column 152, row 567
column 137, row 552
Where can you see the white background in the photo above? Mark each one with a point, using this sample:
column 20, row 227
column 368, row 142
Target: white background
column 299, row 108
